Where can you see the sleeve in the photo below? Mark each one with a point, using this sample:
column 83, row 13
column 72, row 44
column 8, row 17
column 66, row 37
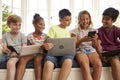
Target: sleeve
column 4, row 38
column 30, row 38
column 73, row 31
column 24, row 39
column 51, row 32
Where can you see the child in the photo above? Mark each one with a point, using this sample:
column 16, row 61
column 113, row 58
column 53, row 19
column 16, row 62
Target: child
column 59, row 31
column 35, row 38
column 109, row 35
column 86, row 51
column 15, row 39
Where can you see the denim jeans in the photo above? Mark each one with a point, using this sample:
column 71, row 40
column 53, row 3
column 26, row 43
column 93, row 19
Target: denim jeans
column 4, row 58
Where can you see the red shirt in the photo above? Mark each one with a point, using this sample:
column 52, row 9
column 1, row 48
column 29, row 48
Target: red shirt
column 109, row 40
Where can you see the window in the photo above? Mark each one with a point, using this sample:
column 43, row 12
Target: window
column 14, row 6
column 38, row 6
column 9, row 7
column 49, row 9
column 110, row 3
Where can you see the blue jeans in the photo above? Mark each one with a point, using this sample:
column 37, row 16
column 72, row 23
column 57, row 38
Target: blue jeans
column 4, row 58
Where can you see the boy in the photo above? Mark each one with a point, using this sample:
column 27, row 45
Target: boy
column 59, row 31
column 15, row 39
column 109, row 35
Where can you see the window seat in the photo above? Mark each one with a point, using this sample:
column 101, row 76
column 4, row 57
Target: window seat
column 30, row 64
column 74, row 75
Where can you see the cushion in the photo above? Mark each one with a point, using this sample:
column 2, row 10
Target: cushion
column 31, row 65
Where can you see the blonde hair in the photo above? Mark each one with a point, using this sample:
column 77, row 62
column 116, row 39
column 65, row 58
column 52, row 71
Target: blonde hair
column 79, row 18
column 13, row 19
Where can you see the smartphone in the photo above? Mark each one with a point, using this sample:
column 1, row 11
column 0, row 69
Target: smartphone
column 91, row 33
column 12, row 48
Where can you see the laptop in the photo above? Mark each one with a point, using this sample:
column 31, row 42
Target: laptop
column 111, row 53
column 62, row 46
column 31, row 49
column 27, row 50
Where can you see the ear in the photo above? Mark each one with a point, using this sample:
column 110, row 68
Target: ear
column 9, row 25
column 34, row 24
column 60, row 19
column 114, row 20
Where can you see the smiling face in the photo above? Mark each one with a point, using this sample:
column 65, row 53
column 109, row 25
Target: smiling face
column 40, row 25
column 84, row 21
column 14, row 23
column 107, row 21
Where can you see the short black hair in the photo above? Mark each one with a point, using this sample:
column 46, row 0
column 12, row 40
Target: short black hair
column 111, row 12
column 64, row 12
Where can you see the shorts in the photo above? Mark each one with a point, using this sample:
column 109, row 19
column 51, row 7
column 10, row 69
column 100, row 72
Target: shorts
column 58, row 60
column 86, row 50
column 4, row 58
column 107, row 59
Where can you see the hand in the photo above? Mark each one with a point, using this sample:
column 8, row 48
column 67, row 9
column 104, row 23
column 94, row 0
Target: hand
column 6, row 50
column 95, row 37
column 14, row 54
column 48, row 46
column 103, row 58
column 86, row 38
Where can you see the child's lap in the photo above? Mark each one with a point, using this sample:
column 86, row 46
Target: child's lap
column 87, row 50
column 3, row 57
column 58, row 60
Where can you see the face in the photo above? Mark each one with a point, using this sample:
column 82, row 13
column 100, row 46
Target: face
column 107, row 21
column 84, row 21
column 15, row 27
column 65, row 21
column 40, row 25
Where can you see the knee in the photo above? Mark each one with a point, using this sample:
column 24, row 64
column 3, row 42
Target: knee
column 10, row 64
column 115, row 62
column 48, row 64
column 84, row 63
column 23, row 61
column 38, row 59
column 98, row 65
column 67, row 62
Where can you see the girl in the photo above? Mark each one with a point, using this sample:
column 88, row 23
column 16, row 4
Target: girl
column 15, row 39
column 35, row 38
column 86, row 47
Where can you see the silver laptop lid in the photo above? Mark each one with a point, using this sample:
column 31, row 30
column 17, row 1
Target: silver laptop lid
column 31, row 49
column 62, row 46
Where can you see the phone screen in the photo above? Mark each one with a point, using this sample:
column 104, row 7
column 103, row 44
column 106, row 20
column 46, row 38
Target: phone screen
column 91, row 33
